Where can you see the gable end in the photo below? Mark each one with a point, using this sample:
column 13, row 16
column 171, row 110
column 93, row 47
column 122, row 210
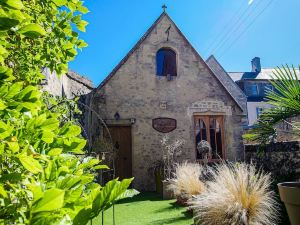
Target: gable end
column 138, row 44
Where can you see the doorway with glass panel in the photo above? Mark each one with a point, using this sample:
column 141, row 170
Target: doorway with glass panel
column 210, row 128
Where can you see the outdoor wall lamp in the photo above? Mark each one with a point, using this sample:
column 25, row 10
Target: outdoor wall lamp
column 117, row 116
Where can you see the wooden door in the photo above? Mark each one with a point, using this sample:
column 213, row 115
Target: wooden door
column 121, row 137
column 211, row 129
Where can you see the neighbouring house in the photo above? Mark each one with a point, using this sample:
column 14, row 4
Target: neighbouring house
column 163, row 86
column 69, row 85
column 255, row 85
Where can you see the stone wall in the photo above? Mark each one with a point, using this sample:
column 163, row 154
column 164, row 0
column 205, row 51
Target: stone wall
column 68, row 85
column 282, row 159
column 134, row 91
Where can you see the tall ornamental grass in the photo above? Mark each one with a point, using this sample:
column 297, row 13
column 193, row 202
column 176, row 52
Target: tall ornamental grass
column 186, row 182
column 237, row 194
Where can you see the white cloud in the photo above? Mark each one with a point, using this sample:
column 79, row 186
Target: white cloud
column 250, row 2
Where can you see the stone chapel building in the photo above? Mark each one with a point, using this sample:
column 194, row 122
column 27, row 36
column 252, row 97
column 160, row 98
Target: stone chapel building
column 163, row 86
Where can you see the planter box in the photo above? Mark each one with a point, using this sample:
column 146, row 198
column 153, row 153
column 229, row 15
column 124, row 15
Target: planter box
column 167, row 194
column 290, row 195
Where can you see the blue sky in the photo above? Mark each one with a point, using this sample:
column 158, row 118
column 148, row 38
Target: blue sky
column 232, row 30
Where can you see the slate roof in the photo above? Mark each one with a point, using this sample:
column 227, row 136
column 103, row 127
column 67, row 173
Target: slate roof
column 227, row 82
column 265, row 74
column 80, row 79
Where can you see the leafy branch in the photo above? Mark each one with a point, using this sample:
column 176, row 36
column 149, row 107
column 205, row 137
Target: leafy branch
column 43, row 180
column 285, row 102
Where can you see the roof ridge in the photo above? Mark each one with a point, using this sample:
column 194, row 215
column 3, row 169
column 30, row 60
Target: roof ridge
column 213, row 57
column 73, row 75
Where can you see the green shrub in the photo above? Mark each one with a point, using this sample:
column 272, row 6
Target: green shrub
column 43, row 178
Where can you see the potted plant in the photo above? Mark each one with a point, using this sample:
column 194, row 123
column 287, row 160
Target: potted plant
column 171, row 149
column 157, row 170
column 284, row 99
column 290, row 195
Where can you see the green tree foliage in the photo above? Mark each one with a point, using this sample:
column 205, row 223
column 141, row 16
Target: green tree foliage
column 42, row 178
column 285, row 99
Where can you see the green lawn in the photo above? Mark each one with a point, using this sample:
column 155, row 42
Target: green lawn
column 146, row 209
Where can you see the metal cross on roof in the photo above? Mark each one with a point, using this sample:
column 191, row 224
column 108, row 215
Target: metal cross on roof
column 164, row 7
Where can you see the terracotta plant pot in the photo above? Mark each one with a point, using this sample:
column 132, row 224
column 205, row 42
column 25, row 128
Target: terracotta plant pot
column 167, row 194
column 290, row 195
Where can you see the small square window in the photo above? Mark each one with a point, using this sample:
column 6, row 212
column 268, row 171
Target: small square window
column 252, row 90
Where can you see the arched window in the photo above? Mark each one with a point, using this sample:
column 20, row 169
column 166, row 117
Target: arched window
column 210, row 129
column 166, row 62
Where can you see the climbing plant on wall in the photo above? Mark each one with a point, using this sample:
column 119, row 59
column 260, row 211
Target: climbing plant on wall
column 45, row 177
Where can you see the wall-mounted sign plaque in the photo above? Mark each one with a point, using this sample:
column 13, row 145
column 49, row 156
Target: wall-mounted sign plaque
column 164, row 125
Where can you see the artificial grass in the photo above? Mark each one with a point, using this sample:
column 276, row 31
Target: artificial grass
column 146, row 209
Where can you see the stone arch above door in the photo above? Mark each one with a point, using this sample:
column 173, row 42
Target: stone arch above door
column 209, row 107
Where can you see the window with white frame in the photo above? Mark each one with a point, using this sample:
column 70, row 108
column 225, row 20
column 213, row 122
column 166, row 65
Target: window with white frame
column 259, row 111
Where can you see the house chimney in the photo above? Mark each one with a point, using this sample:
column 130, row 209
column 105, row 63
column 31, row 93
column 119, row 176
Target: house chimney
column 256, row 66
